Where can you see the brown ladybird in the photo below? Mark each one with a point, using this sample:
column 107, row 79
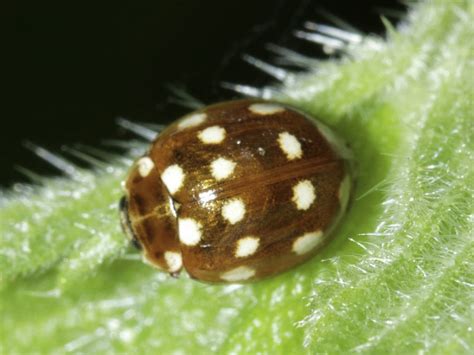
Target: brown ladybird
column 236, row 192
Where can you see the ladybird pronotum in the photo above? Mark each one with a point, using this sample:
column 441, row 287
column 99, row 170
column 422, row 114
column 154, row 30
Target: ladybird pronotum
column 236, row 191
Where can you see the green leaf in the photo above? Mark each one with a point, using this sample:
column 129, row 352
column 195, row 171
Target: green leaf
column 397, row 278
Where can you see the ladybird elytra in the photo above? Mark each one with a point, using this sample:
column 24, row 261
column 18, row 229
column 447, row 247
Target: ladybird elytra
column 237, row 191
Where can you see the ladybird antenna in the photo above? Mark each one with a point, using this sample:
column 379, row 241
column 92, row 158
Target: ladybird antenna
column 136, row 128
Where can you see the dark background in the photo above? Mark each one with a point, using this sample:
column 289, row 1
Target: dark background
column 73, row 68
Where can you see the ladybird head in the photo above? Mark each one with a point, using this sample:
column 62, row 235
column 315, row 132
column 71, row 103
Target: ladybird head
column 148, row 217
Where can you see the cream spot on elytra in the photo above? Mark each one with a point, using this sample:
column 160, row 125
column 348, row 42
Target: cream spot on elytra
column 207, row 196
column 238, row 274
column 265, row 108
column 174, row 260
column 189, row 231
column 246, row 246
column 222, row 168
column 307, row 242
column 233, row 210
column 145, row 166
column 290, row 145
column 192, row 121
column 173, row 178
column 303, row 194
column 212, row 135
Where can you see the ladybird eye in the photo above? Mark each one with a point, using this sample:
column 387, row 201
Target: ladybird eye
column 126, row 224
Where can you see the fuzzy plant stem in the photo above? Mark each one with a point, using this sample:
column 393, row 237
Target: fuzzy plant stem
column 397, row 278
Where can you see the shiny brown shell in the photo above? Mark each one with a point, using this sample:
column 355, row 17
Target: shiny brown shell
column 237, row 191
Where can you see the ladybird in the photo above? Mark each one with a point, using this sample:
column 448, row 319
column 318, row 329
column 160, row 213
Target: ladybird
column 236, row 192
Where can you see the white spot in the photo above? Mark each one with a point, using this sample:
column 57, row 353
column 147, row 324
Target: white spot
column 212, row 135
column 303, row 194
column 145, row 166
column 246, row 246
column 173, row 178
column 192, row 120
column 222, row 168
column 173, row 260
column 344, row 192
column 206, row 196
column 266, row 109
column 189, row 231
column 233, row 210
column 290, row 145
column 307, row 242
column 238, row 274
